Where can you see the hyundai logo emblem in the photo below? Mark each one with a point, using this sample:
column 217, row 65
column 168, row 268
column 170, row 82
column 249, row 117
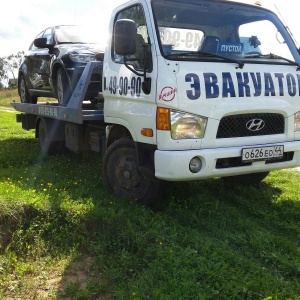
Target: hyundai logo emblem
column 255, row 124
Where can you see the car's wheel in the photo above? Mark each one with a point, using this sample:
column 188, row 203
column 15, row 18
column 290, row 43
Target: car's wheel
column 24, row 94
column 121, row 174
column 246, row 179
column 63, row 88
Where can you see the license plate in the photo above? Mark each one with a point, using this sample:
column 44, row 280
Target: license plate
column 262, row 153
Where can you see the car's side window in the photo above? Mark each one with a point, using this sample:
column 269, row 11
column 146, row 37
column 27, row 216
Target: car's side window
column 142, row 56
column 48, row 34
column 45, row 34
column 32, row 47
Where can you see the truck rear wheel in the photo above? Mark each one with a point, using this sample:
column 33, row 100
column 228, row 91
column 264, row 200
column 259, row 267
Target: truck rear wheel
column 121, row 174
column 47, row 145
column 246, row 179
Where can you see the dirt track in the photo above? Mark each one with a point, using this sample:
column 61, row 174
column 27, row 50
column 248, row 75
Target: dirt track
column 6, row 109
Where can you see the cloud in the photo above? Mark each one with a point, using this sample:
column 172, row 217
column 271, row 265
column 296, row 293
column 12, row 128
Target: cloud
column 23, row 20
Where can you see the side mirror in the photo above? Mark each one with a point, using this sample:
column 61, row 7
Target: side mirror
column 125, row 42
column 99, row 56
column 125, row 32
column 41, row 43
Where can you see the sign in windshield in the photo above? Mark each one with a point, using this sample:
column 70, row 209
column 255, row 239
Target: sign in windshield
column 180, row 39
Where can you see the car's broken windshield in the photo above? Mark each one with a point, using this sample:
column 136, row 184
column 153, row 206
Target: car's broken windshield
column 75, row 34
column 225, row 29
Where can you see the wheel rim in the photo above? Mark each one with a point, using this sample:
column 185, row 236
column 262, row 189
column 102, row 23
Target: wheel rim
column 122, row 176
column 60, row 88
column 22, row 91
column 127, row 174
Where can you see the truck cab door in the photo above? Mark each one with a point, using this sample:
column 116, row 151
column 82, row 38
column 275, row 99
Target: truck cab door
column 130, row 73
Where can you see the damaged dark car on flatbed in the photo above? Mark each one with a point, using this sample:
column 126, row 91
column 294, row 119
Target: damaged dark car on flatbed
column 55, row 61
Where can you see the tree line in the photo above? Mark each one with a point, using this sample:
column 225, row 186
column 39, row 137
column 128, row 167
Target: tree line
column 9, row 68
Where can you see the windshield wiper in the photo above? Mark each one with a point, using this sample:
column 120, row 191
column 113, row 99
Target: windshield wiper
column 275, row 56
column 71, row 43
column 207, row 54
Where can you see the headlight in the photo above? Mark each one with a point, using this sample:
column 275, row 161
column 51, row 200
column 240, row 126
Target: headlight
column 82, row 58
column 187, row 126
column 297, row 121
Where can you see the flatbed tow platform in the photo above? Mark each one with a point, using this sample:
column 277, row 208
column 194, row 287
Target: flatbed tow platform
column 77, row 111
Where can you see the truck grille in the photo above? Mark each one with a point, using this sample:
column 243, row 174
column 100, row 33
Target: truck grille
column 236, row 125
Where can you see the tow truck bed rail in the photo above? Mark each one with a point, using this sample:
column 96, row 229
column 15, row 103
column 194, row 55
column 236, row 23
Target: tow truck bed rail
column 75, row 111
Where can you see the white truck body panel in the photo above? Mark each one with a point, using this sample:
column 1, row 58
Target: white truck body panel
column 210, row 89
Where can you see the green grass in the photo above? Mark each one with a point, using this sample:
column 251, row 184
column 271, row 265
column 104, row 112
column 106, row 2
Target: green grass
column 7, row 96
column 63, row 236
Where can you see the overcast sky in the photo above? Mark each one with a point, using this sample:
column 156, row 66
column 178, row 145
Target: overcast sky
column 22, row 20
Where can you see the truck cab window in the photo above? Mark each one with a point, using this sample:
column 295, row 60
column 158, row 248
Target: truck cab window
column 257, row 41
column 142, row 56
column 189, row 30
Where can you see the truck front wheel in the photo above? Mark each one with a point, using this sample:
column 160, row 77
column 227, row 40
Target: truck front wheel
column 121, row 174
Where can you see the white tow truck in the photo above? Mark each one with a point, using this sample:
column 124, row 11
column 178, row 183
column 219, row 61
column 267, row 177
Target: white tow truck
column 190, row 90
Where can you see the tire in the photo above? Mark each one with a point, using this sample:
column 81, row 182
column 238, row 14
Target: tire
column 246, row 179
column 121, row 174
column 47, row 146
column 62, row 87
column 23, row 92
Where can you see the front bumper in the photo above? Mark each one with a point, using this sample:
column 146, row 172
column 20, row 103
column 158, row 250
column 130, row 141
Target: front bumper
column 174, row 165
column 95, row 84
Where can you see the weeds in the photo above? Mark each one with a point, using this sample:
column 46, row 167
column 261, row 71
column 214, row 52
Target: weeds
column 9, row 95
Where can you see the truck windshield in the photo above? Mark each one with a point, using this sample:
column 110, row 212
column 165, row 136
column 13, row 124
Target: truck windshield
column 217, row 29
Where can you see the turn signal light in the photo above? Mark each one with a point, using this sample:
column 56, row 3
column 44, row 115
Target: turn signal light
column 147, row 132
column 163, row 119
